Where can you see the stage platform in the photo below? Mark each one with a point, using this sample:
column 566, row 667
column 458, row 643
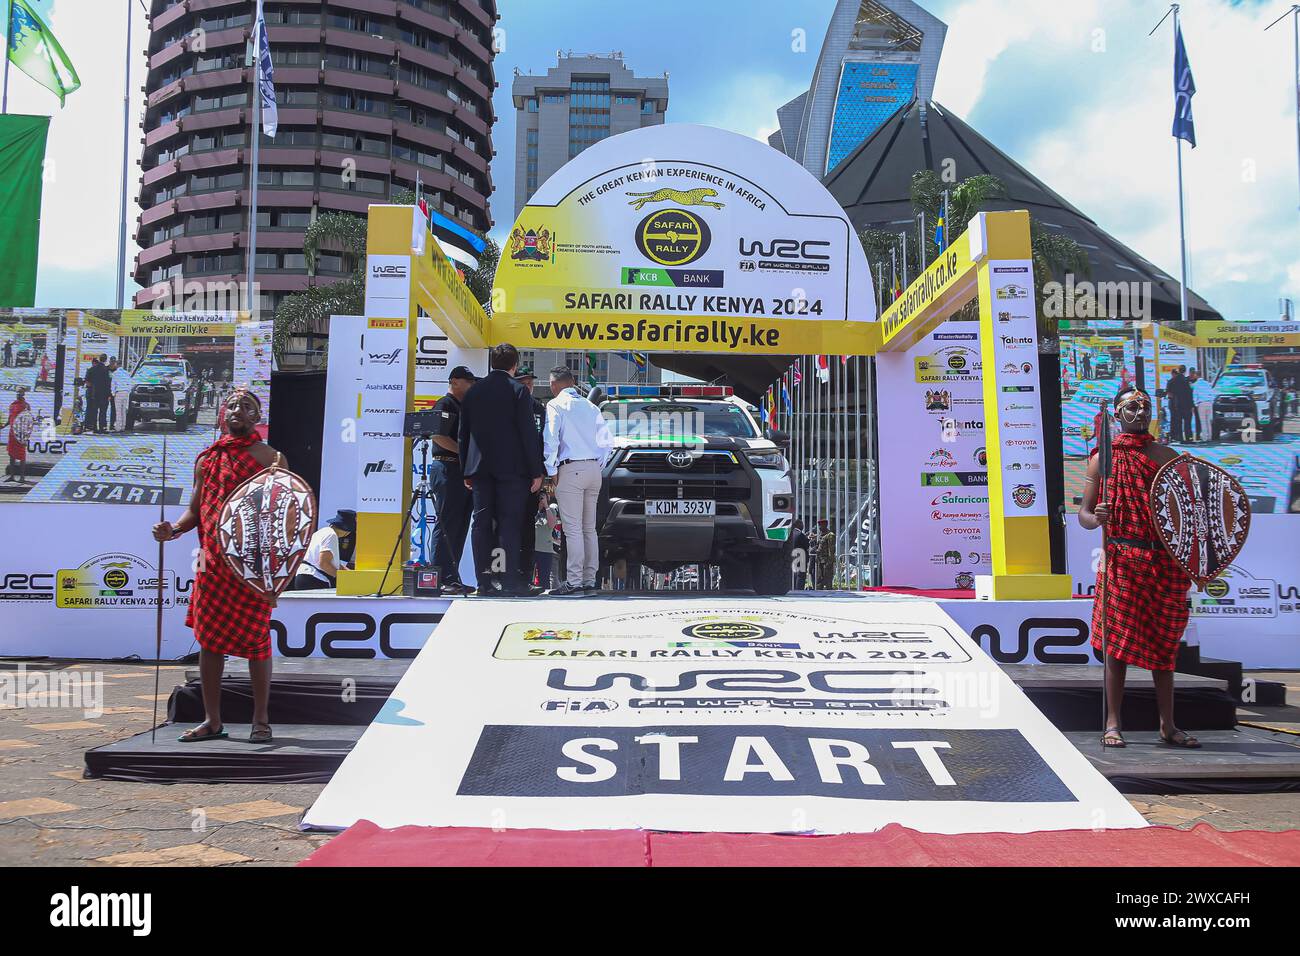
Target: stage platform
column 1240, row 760
column 300, row 753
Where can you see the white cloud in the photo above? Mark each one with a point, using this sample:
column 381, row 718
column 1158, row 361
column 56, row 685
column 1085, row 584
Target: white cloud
column 981, row 30
column 1108, row 149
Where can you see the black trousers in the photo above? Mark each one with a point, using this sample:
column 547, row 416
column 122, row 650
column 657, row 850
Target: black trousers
column 528, row 537
column 453, row 505
column 497, row 520
column 308, row 582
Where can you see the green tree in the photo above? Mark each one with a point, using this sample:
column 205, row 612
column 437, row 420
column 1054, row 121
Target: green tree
column 345, row 234
column 1054, row 255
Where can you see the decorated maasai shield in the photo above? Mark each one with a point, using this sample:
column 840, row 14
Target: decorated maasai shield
column 1201, row 514
column 266, row 525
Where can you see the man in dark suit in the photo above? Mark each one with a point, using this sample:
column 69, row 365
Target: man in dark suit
column 98, row 389
column 501, row 453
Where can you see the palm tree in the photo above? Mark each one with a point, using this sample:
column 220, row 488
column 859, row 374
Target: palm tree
column 1054, row 255
column 346, row 233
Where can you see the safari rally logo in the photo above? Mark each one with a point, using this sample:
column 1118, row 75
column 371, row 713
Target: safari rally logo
column 111, row 580
column 673, row 237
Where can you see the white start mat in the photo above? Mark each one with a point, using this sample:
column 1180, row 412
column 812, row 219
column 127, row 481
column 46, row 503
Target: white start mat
column 713, row 714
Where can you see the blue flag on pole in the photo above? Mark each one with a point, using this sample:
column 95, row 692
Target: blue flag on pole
column 1184, row 90
column 265, row 75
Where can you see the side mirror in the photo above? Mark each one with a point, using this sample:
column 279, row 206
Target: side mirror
column 779, row 437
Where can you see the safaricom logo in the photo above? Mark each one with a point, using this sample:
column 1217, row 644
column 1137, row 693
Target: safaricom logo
column 955, row 499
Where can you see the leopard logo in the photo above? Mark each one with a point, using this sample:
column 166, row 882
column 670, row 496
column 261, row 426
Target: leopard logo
column 690, row 197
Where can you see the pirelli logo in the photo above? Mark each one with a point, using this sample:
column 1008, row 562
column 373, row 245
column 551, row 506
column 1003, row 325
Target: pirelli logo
column 386, row 323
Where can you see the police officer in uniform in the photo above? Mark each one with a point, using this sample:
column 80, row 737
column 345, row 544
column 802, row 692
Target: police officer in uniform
column 532, row 502
column 451, row 499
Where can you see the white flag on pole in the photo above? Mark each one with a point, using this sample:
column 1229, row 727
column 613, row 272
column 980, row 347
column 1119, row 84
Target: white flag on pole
column 265, row 75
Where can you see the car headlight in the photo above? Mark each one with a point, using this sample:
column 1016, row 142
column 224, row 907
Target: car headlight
column 766, row 459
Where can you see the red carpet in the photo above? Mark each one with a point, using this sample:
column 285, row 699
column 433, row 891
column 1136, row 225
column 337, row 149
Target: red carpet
column 368, row 845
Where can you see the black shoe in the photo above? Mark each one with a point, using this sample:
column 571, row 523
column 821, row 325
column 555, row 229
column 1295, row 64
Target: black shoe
column 456, row 589
column 517, row 590
column 567, row 590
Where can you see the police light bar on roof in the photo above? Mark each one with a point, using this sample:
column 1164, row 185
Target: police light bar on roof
column 668, row 391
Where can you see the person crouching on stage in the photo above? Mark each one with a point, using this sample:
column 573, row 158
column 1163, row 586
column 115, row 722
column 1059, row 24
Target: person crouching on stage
column 319, row 570
column 227, row 617
column 1141, row 596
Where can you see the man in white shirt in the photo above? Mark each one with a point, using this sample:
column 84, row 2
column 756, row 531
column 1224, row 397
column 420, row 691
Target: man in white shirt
column 121, row 384
column 577, row 443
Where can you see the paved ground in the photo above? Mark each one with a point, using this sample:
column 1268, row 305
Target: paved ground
column 50, row 815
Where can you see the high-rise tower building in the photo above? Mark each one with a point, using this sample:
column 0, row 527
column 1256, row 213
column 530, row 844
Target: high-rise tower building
column 578, row 102
column 371, row 94
column 877, row 57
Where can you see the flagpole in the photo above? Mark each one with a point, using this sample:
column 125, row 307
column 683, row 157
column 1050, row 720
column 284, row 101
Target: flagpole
column 1294, row 13
column 1182, row 216
column 9, row 27
column 253, row 59
column 903, row 236
column 126, row 128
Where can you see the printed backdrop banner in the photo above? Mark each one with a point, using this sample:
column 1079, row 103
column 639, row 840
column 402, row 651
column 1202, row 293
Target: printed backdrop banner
column 843, row 716
column 683, row 238
column 168, row 375
column 93, row 594
column 1246, row 412
column 934, row 514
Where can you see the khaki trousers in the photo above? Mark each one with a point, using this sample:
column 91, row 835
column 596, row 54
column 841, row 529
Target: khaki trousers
column 577, row 488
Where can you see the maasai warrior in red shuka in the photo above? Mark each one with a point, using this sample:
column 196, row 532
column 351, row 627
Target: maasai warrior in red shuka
column 16, row 446
column 227, row 616
column 1141, row 600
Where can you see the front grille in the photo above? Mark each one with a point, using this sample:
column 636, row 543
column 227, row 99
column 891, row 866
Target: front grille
column 644, row 489
column 656, row 462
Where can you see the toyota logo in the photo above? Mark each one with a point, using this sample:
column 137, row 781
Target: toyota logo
column 681, row 459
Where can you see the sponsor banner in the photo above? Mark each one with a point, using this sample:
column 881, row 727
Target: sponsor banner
column 169, row 376
column 632, row 246
column 1019, row 423
column 381, row 449
column 347, row 399
column 934, row 519
column 684, row 738
column 1250, row 614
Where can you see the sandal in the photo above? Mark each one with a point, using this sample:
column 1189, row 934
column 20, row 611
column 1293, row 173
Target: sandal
column 196, row 735
column 1111, row 738
column 262, row 736
column 1181, row 739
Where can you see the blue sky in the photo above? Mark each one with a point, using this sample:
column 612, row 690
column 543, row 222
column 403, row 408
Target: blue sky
column 1074, row 90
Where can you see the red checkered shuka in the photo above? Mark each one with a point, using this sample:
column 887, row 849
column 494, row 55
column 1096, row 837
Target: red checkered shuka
column 227, row 615
column 1141, row 594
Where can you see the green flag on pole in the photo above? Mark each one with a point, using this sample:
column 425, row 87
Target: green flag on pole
column 35, row 51
column 591, row 368
column 22, row 157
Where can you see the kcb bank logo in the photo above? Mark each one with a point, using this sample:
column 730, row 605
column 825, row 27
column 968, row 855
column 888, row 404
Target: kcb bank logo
column 672, row 237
